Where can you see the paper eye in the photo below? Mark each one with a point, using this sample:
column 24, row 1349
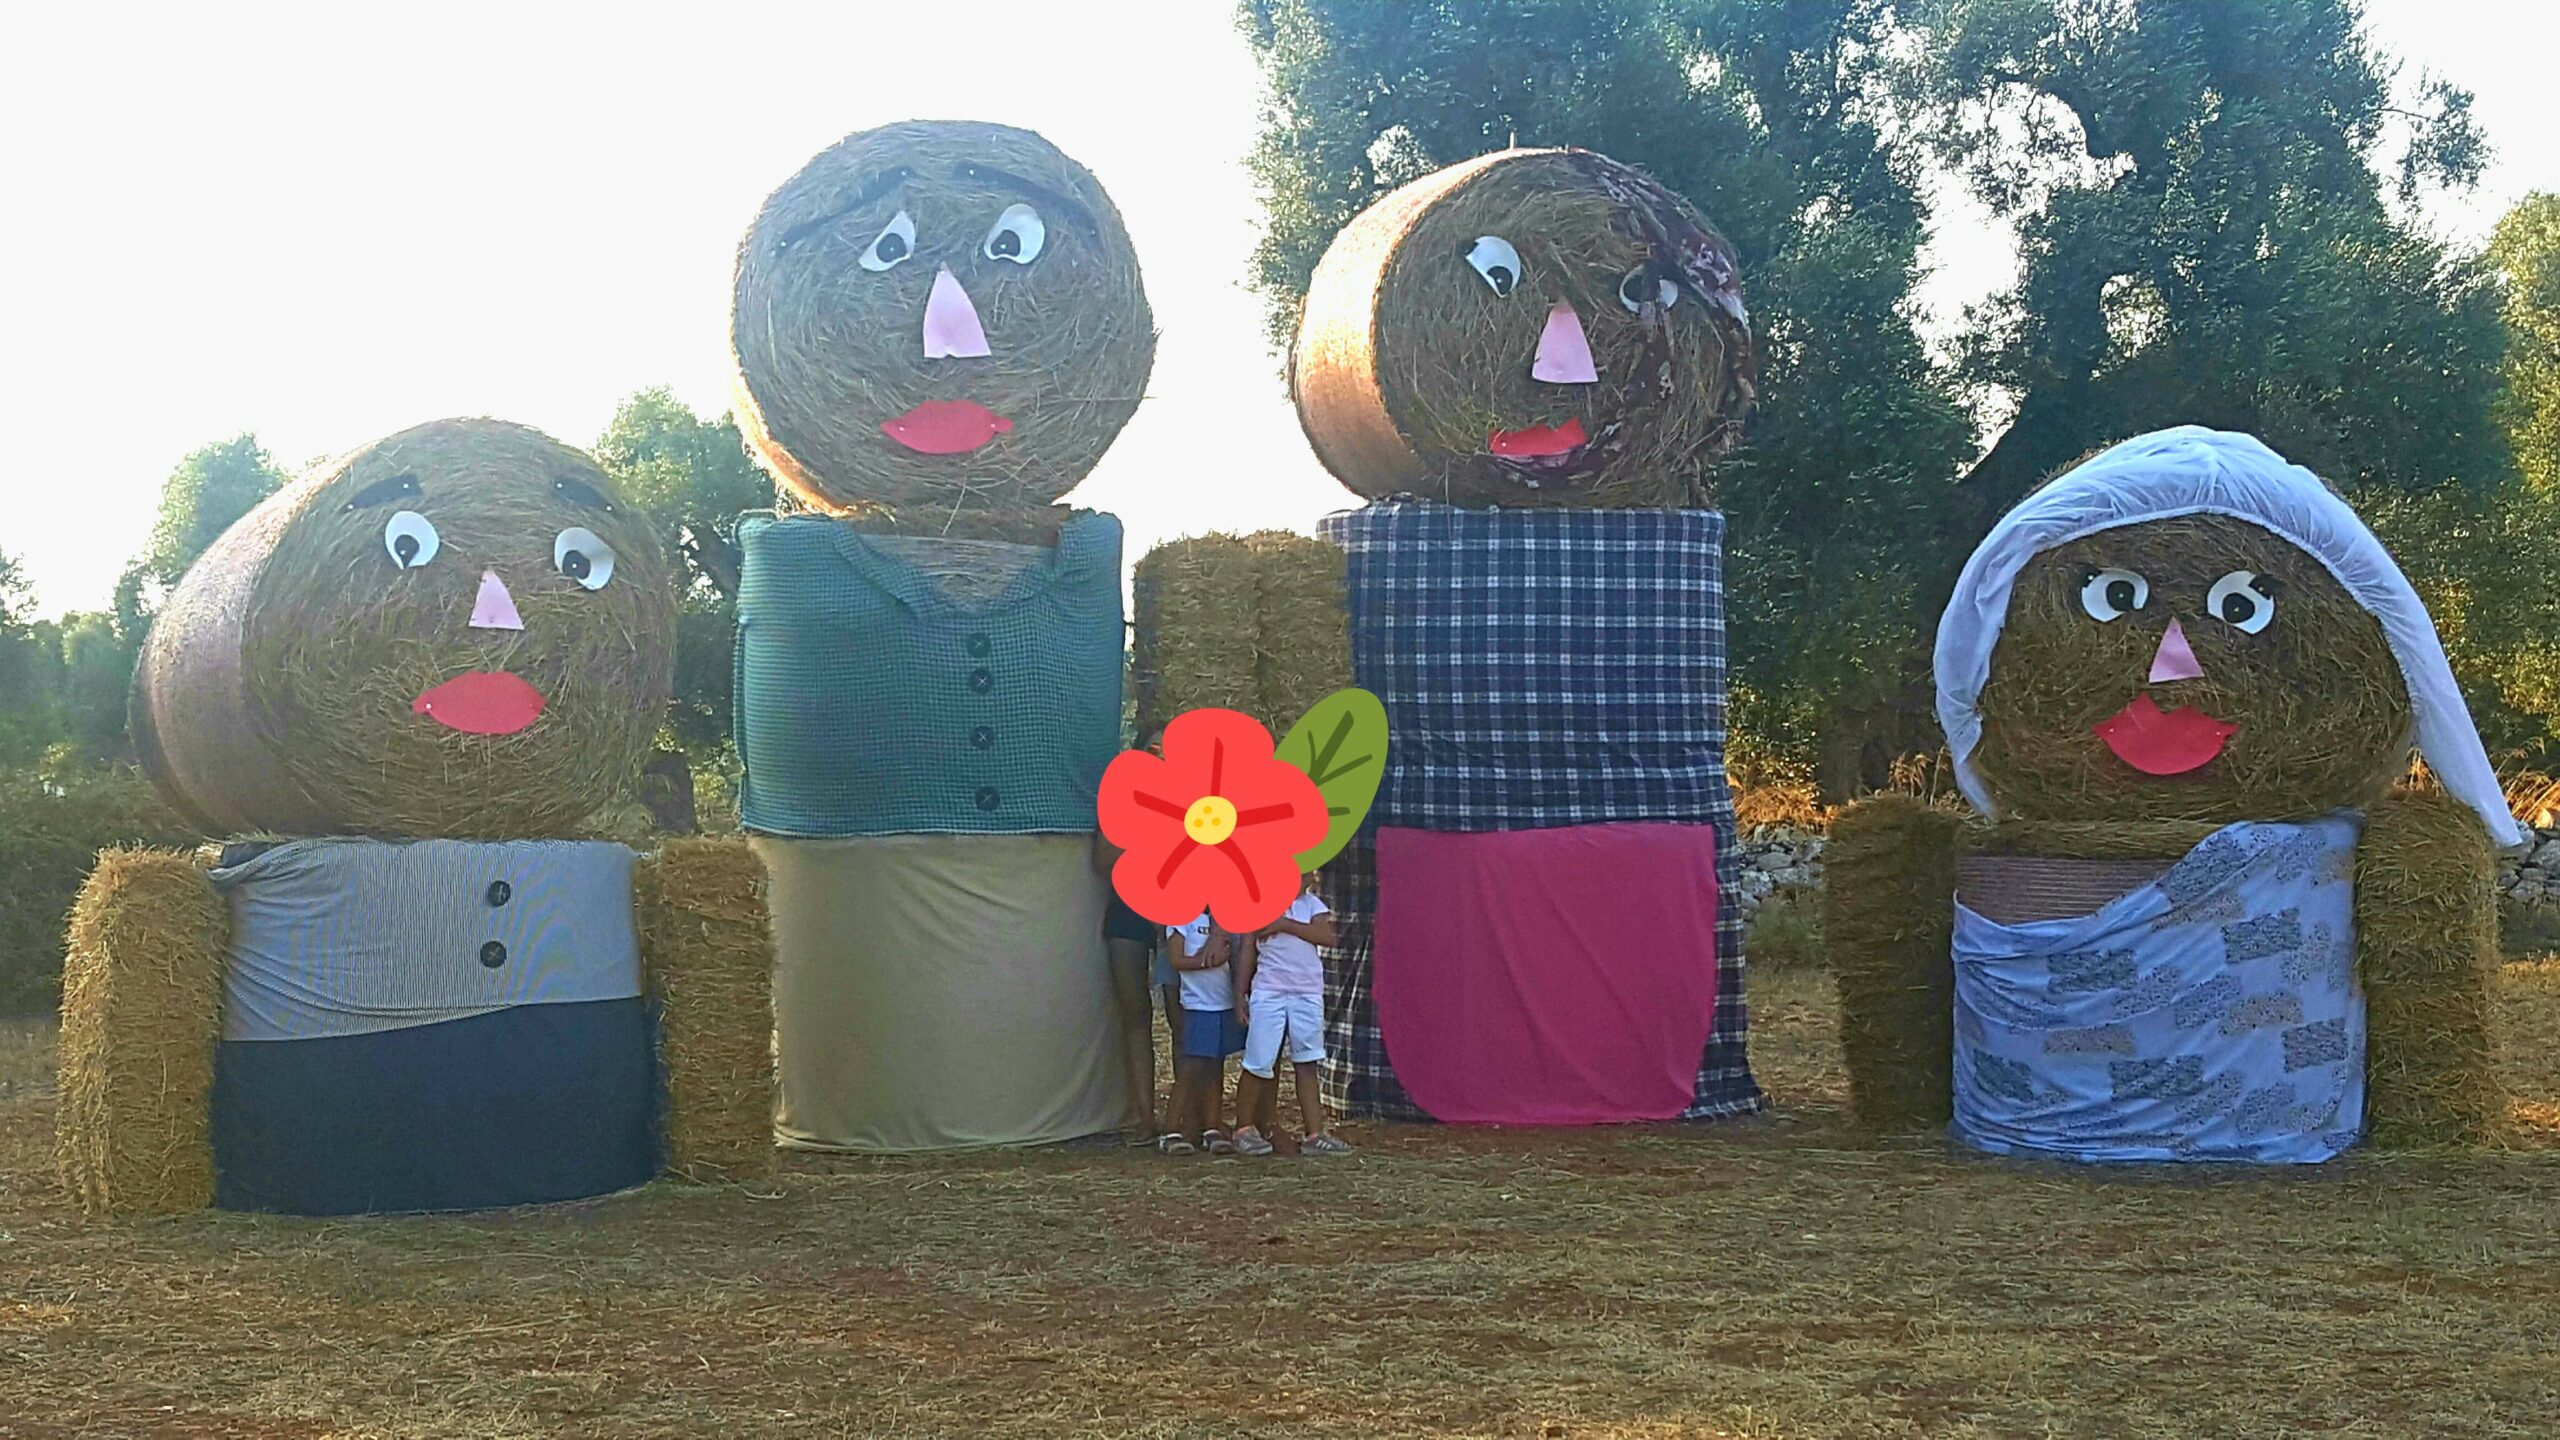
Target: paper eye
column 2114, row 594
column 583, row 557
column 1639, row 285
column 1496, row 261
column 895, row 242
column 411, row 539
column 1018, row 236
column 2241, row 601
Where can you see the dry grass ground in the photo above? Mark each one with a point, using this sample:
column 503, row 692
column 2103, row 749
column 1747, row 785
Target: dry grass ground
column 1778, row 1279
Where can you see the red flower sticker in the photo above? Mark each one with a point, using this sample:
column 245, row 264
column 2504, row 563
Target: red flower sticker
column 1215, row 824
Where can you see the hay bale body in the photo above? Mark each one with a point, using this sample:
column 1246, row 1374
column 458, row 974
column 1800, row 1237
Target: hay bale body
column 1889, row 878
column 280, row 687
column 2427, row 955
column 141, row 1016
column 827, row 325
column 1408, row 361
column 1256, row 623
column 707, row 952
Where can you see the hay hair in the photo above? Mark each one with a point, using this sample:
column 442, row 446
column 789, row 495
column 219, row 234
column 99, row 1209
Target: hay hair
column 828, row 349
column 1406, row 362
column 2426, row 923
column 1889, row 881
column 277, row 691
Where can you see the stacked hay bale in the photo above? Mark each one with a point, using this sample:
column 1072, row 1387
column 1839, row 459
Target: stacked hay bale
column 2198, row 921
column 1252, row 623
column 412, row 676
column 939, row 327
column 1549, row 350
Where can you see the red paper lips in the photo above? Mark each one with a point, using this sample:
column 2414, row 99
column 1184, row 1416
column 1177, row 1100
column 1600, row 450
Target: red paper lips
column 946, row 427
column 483, row 702
column 2163, row 742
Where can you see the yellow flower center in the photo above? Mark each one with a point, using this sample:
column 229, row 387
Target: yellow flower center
column 1211, row 820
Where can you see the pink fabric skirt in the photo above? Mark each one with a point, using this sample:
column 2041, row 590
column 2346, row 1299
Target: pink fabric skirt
column 1547, row 977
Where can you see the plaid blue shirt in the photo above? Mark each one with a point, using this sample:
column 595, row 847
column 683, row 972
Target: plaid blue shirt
column 1540, row 667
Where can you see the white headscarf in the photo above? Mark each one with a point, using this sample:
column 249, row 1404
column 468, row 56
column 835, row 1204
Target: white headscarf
column 2187, row 471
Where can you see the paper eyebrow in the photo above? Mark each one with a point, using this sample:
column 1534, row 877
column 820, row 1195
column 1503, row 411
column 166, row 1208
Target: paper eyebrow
column 579, row 492
column 1041, row 193
column 383, row 492
column 878, row 186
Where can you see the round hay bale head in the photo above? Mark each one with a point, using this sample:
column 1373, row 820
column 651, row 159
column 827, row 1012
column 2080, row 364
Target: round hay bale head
column 2320, row 707
column 1530, row 327
column 459, row 631
column 939, row 319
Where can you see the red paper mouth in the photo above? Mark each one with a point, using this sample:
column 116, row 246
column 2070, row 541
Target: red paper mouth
column 946, row 427
column 484, row 702
column 1538, row 442
column 2163, row 742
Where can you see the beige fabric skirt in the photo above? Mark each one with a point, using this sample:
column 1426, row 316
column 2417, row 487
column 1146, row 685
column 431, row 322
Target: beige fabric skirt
column 941, row 992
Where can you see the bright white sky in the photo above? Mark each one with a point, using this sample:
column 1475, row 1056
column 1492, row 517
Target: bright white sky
column 325, row 225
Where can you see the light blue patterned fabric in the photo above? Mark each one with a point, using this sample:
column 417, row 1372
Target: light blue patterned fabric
column 2210, row 1015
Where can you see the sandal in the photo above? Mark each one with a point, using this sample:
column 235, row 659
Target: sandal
column 1172, row 1144
column 1216, row 1142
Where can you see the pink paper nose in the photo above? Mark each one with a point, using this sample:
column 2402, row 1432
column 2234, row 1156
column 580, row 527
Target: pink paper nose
column 951, row 328
column 1564, row 352
column 2175, row 659
column 495, row 609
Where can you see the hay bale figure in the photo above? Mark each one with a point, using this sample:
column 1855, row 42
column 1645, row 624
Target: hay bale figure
column 1531, row 327
column 410, row 677
column 939, row 327
column 2197, row 921
column 1531, row 360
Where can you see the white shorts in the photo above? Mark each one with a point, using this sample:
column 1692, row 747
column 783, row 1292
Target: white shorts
column 1300, row 1017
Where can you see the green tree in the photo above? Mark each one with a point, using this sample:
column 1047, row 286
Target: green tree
column 694, row 479
column 213, row 486
column 2207, row 236
column 2485, row 561
column 1769, row 115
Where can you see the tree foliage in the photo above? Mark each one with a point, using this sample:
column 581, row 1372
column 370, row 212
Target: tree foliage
column 1771, row 116
column 2200, row 192
column 694, row 479
column 213, row 486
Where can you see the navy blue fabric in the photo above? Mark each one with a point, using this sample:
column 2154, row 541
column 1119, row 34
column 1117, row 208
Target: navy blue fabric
column 1539, row 668
column 520, row 1106
column 1211, row 1035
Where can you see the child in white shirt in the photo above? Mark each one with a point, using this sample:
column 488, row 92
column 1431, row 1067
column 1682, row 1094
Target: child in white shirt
column 1280, row 996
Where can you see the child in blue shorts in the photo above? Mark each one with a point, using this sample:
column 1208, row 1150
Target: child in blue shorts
column 1207, row 1033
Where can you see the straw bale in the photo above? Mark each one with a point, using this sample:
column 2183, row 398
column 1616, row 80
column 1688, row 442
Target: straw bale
column 276, row 691
column 708, row 952
column 1406, row 361
column 2087, row 839
column 1302, row 624
column 827, row 351
column 2427, row 955
column 141, row 1015
column 1256, row 623
column 1195, row 629
column 2322, row 708
column 1889, row 880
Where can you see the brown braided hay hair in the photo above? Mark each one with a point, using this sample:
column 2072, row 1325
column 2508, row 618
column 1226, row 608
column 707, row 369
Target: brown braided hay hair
column 827, row 351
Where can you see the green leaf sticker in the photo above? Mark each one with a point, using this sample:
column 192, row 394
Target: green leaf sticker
column 1342, row 745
